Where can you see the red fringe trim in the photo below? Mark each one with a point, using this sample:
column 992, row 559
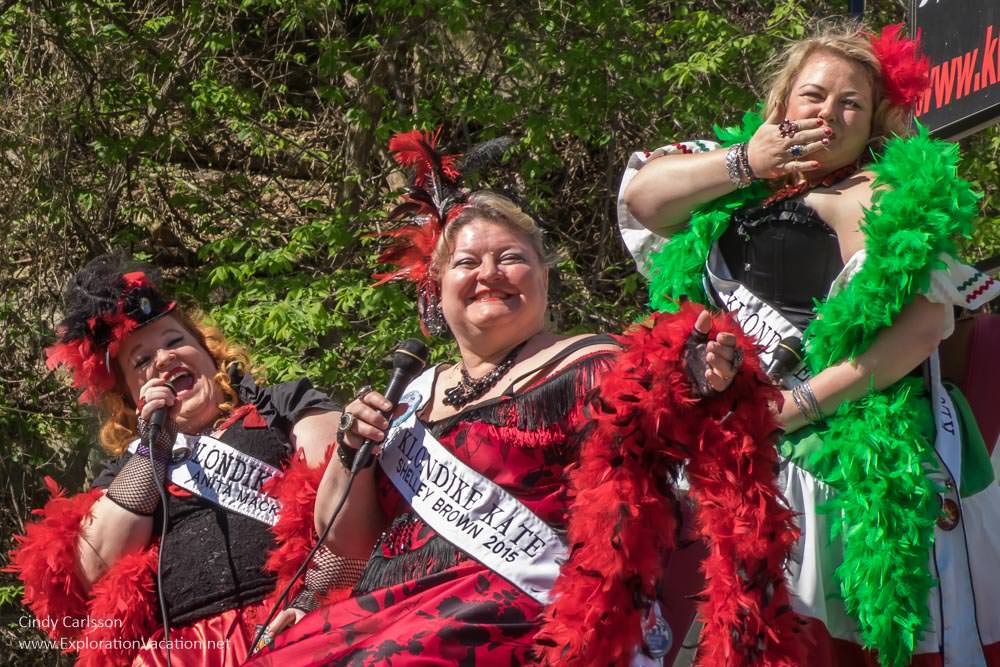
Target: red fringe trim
column 45, row 559
column 295, row 532
column 645, row 425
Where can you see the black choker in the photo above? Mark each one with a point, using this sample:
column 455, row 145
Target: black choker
column 469, row 389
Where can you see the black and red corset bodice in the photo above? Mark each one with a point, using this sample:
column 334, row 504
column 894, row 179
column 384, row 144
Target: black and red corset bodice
column 523, row 442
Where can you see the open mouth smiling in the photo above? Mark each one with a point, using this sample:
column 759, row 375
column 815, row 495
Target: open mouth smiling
column 490, row 295
column 180, row 379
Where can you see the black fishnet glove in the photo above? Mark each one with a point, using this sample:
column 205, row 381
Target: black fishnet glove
column 695, row 364
column 134, row 487
column 327, row 571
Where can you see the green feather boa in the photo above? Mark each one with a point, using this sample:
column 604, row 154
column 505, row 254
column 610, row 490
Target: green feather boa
column 887, row 504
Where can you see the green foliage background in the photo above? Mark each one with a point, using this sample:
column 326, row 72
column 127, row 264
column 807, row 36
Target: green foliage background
column 240, row 146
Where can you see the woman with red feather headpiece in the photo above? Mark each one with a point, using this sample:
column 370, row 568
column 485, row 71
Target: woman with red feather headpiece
column 523, row 510
column 238, row 466
column 831, row 238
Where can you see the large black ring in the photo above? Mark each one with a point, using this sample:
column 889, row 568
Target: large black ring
column 347, row 420
column 737, row 360
column 788, row 128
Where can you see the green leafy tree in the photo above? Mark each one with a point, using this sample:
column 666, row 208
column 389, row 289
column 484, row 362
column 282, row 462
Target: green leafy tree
column 240, row 146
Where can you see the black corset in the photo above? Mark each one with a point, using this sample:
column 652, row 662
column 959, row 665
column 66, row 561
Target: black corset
column 785, row 254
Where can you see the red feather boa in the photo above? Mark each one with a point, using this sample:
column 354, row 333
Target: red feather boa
column 45, row 560
column 127, row 593
column 645, row 425
column 295, row 532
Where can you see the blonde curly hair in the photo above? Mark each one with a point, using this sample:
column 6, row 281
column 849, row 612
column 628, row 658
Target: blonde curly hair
column 848, row 40
column 116, row 407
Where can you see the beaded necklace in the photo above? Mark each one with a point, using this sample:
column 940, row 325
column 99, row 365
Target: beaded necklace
column 469, row 389
column 796, row 189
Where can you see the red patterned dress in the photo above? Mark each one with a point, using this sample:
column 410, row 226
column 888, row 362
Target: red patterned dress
column 422, row 600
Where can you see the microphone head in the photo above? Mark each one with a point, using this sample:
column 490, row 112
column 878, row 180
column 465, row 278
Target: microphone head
column 793, row 345
column 786, row 358
column 410, row 357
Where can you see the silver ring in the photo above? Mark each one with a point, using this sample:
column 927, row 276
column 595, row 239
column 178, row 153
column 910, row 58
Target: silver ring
column 361, row 393
column 796, row 150
column 737, row 360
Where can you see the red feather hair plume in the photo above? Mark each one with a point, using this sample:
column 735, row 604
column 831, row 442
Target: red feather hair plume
column 646, row 424
column 418, row 151
column 905, row 70
column 433, row 200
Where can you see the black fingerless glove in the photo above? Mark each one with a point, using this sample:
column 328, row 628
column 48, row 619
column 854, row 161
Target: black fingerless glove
column 135, row 486
column 327, row 571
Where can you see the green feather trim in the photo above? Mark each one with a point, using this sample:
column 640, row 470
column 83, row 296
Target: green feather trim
column 887, row 503
column 906, row 229
column 675, row 270
column 887, row 509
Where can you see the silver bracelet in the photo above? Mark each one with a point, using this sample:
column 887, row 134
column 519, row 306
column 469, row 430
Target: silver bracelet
column 738, row 166
column 805, row 401
column 745, row 162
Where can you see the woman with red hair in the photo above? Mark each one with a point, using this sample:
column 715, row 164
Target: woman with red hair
column 205, row 511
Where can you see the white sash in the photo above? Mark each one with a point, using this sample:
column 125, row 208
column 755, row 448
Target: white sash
column 762, row 322
column 960, row 643
column 223, row 475
column 465, row 508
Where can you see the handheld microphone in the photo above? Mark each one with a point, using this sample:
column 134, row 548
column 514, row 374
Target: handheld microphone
column 408, row 361
column 159, row 418
column 786, row 358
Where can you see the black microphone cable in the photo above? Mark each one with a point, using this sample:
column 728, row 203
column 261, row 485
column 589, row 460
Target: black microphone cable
column 156, row 422
column 404, row 370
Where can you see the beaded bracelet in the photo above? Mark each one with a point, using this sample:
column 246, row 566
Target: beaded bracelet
column 738, row 166
column 346, row 453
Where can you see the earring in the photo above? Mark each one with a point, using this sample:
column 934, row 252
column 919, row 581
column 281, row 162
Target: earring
column 431, row 315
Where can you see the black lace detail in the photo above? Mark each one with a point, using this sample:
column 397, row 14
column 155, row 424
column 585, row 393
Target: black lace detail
column 544, row 405
column 789, row 211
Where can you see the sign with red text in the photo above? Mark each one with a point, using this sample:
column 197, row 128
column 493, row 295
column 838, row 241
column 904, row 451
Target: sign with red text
column 962, row 40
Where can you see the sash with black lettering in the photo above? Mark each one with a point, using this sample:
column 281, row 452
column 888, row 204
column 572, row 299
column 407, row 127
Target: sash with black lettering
column 465, row 508
column 223, row 475
column 761, row 321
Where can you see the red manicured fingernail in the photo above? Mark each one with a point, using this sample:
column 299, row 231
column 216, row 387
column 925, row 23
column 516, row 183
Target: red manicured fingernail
column 820, row 121
column 825, row 141
column 828, row 130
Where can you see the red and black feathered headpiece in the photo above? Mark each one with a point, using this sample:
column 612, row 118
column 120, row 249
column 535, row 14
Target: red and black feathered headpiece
column 434, row 198
column 105, row 301
column 905, row 70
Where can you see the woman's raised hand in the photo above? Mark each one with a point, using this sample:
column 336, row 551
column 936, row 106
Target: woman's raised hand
column 153, row 395
column 367, row 421
column 711, row 365
column 779, row 146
